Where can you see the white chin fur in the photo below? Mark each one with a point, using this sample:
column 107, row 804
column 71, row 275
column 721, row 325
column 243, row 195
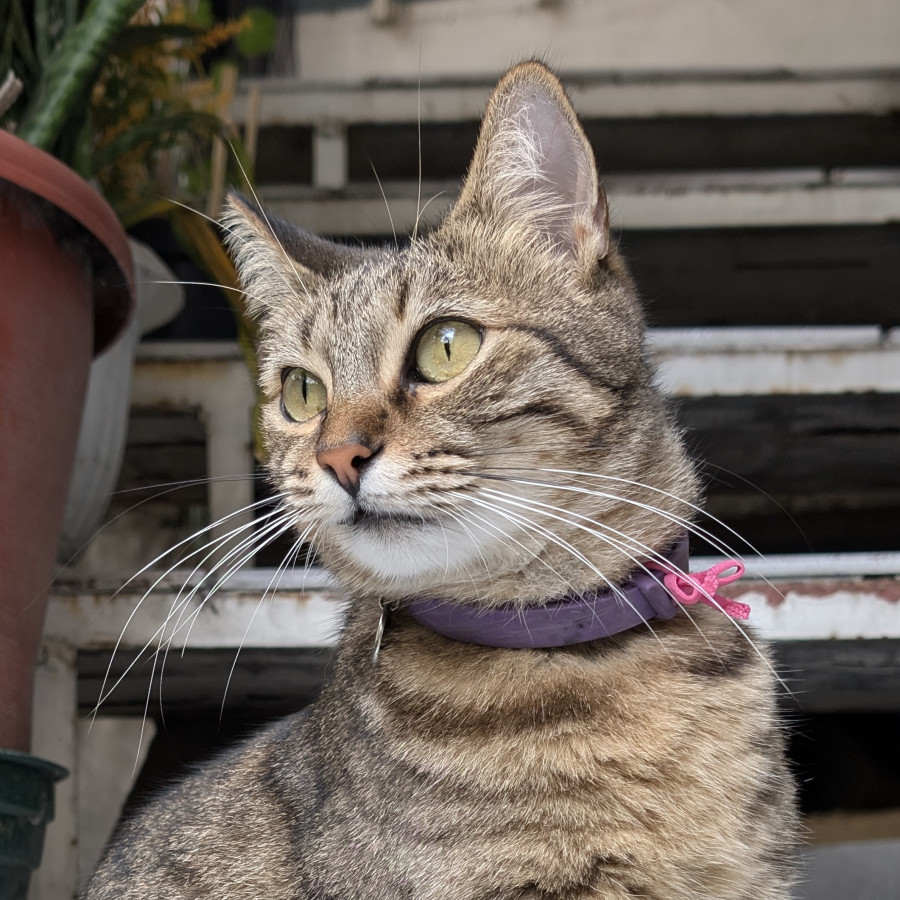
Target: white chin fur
column 416, row 551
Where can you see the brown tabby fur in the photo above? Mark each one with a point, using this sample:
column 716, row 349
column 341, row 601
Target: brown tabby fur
column 649, row 764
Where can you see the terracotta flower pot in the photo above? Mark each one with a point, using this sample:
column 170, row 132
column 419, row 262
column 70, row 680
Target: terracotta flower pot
column 65, row 294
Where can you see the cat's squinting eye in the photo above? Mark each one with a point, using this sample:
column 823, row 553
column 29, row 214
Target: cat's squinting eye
column 302, row 395
column 445, row 349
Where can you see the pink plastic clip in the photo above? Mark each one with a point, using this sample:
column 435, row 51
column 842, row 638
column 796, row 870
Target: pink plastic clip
column 703, row 587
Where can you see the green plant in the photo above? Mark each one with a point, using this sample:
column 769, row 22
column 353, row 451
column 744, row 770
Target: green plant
column 118, row 90
column 58, row 51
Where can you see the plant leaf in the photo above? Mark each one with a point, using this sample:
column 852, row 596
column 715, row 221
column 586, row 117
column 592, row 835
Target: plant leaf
column 147, row 35
column 154, row 128
column 71, row 70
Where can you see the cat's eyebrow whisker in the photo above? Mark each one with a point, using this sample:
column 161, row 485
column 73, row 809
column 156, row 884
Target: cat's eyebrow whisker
column 387, row 205
column 415, row 231
column 212, row 284
column 428, row 203
column 288, row 258
column 236, row 236
column 188, row 208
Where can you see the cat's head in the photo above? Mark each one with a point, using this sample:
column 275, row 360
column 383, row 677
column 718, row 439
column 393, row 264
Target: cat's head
column 473, row 416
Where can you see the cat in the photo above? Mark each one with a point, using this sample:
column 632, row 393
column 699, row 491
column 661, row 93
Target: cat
column 470, row 431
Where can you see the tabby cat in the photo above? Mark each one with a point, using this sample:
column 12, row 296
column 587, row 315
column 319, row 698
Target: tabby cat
column 470, row 430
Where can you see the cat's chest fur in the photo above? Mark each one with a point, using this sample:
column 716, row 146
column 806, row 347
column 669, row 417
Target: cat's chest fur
column 630, row 769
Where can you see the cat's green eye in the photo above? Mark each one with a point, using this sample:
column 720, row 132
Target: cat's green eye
column 302, row 395
column 445, row 349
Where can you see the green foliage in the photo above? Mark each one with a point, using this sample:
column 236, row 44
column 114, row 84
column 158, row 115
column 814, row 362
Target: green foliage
column 69, row 72
column 116, row 89
column 259, row 38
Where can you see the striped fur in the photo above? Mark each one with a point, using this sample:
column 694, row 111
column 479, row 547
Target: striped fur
column 646, row 765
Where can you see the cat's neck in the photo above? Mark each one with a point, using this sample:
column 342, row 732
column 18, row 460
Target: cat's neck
column 572, row 619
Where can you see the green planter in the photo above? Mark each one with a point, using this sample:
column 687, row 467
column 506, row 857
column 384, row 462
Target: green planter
column 26, row 806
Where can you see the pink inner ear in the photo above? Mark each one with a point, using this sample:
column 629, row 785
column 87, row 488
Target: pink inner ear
column 558, row 181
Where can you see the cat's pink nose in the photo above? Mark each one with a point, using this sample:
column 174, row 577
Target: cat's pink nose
column 345, row 461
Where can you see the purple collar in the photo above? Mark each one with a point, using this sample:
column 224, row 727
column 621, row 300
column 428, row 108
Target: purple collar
column 570, row 620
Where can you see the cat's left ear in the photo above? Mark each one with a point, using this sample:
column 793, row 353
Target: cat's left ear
column 271, row 254
column 534, row 169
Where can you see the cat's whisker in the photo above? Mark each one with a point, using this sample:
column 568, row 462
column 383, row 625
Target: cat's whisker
column 687, row 524
column 104, row 693
column 577, row 554
column 505, row 538
column 243, row 553
column 569, row 516
column 256, row 542
column 387, row 205
column 714, row 541
column 692, row 506
column 446, row 545
column 207, row 528
column 622, row 542
column 169, row 487
column 683, row 522
column 516, row 500
column 461, row 519
column 705, row 464
column 271, row 588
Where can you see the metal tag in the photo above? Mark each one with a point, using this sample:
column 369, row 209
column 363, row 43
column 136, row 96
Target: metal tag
column 383, row 620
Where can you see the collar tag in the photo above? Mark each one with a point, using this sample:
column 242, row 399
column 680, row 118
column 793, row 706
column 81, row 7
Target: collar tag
column 383, row 621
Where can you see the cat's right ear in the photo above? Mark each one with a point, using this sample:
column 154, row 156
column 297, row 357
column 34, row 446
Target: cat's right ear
column 533, row 174
column 274, row 258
